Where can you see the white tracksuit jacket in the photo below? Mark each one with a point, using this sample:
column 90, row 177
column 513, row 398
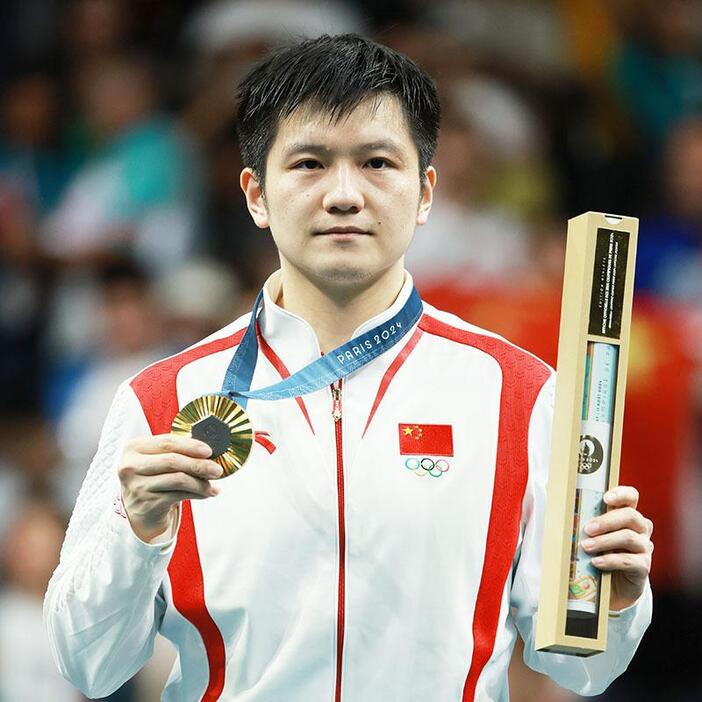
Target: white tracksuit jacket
column 326, row 570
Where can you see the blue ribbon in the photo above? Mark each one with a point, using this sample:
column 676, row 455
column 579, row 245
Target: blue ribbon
column 325, row 370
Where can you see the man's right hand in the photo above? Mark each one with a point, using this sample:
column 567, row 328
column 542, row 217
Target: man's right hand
column 157, row 472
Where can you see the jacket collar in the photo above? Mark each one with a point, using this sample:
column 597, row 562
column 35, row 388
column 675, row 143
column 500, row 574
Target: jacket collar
column 293, row 338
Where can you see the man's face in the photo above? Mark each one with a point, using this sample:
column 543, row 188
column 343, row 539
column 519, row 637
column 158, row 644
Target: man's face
column 342, row 198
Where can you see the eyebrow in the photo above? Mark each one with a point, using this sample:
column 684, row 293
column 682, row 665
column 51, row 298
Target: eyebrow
column 382, row 145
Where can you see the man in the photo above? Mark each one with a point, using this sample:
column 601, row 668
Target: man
column 383, row 539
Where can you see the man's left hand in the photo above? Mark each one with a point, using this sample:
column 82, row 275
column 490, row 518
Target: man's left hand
column 620, row 541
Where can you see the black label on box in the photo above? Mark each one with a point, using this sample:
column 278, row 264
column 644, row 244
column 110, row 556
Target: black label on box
column 609, row 275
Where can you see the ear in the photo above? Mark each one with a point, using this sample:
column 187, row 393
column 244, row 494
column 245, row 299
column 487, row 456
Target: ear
column 428, row 185
column 254, row 198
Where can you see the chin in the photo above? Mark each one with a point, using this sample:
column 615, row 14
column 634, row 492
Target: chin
column 347, row 274
column 344, row 274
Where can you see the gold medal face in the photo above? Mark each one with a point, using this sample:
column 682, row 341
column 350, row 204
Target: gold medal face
column 220, row 423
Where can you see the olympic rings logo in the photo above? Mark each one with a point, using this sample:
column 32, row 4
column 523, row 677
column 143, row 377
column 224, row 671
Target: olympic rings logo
column 427, row 466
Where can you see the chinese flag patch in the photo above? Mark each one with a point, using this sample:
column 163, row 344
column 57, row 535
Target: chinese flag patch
column 431, row 439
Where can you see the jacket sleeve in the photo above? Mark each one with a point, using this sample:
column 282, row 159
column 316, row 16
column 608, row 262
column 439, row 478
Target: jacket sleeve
column 103, row 605
column 585, row 676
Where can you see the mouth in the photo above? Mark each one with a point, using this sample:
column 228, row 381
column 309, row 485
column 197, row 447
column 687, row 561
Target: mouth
column 340, row 233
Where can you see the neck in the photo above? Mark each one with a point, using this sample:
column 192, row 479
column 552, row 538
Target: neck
column 335, row 313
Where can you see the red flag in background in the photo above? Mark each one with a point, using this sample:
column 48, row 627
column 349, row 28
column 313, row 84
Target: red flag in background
column 658, row 444
column 427, row 439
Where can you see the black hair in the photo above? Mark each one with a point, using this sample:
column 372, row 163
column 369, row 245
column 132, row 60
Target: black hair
column 333, row 74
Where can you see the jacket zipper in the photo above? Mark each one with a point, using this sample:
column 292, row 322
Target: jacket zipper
column 336, row 414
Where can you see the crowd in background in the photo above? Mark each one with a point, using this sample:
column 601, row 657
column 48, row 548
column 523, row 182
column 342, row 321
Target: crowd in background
column 124, row 237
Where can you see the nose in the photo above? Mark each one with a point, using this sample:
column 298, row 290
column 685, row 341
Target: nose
column 344, row 194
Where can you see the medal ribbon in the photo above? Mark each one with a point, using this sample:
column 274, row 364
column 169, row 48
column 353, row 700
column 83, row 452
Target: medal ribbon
column 336, row 364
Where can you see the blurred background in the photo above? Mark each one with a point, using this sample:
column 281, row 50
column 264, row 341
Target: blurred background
column 119, row 193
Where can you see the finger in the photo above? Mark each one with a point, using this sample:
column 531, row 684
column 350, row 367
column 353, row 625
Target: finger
column 624, row 540
column 622, row 496
column 620, row 518
column 150, row 464
column 177, row 496
column 181, row 483
column 635, row 565
column 170, row 443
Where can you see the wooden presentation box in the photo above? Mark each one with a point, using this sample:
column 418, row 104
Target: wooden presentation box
column 598, row 288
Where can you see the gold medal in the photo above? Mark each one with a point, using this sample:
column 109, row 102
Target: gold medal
column 222, row 424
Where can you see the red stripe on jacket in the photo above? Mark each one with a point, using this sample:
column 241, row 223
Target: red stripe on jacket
column 282, row 370
column 523, row 376
column 157, row 393
column 264, row 441
column 390, row 374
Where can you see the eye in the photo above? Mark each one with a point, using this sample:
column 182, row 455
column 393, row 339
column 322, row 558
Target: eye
column 378, row 164
column 309, row 164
